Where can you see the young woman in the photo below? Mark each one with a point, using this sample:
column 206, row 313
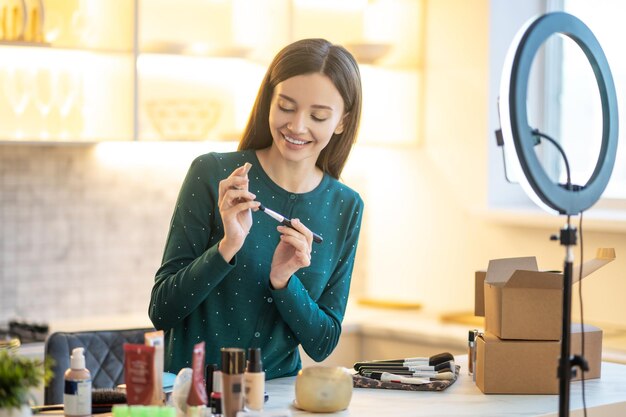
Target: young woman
column 231, row 275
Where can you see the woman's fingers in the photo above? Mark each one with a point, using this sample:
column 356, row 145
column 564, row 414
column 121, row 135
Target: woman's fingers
column 232, row 183
column 238, row 179
column 243, row 170
column 300, row 228
column 299, row 237
column 239, row 207
column 233, row 197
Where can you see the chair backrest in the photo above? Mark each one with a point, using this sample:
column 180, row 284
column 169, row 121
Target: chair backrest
column 104, row 357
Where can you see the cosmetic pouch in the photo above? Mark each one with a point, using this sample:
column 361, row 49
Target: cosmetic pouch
column 359, row 381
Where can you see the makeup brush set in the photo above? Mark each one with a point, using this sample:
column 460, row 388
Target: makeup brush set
column 412, row 371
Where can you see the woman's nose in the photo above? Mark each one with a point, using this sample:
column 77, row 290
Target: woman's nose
column 297, row 123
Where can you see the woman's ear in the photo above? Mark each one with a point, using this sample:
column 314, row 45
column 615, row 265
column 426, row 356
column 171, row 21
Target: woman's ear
column 340, row 126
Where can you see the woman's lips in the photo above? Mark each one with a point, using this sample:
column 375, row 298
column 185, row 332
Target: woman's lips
column 295, row 141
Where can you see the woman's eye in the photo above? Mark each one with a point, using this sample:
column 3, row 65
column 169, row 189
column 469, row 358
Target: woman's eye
column 318, row 118
column 285, row 109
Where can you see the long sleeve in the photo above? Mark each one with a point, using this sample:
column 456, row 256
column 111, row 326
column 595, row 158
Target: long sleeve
column 316, row 320
column 192, row 267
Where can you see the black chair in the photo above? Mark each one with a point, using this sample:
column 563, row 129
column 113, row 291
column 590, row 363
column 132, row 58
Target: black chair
column 104, row 357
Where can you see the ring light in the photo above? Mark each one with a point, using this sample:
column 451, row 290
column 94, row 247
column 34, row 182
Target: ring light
column 514, row 118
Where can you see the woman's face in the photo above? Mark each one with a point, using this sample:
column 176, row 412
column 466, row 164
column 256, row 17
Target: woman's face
column 305, row 112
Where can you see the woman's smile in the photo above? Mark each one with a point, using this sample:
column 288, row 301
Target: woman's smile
column 293, row 140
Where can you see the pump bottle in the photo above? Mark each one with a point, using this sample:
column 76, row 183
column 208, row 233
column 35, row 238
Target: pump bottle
column 254, row 381
column 77, row 392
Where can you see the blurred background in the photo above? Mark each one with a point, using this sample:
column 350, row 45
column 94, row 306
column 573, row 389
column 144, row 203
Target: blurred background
column 105, row 103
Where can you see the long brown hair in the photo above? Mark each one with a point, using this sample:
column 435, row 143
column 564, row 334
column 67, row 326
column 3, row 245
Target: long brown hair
column 304, row 57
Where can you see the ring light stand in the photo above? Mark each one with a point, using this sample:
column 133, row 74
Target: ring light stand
column 565, row 199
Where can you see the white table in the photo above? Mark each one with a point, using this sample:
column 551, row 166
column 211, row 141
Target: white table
column 463, row 398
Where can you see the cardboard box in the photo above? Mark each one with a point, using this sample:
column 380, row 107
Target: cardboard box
column 530, row 366
column 526, row 304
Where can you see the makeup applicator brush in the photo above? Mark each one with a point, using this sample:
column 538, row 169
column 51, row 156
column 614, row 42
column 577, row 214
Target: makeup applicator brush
column 391, row 367
column 431, row 361
column 387, row 376
column 285, row 221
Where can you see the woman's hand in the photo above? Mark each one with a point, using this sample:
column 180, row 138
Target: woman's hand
column 235, row 204
column 292, row 253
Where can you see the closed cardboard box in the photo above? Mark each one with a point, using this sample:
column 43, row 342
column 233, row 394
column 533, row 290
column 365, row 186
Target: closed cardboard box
column 530, row 366
column 522, row 303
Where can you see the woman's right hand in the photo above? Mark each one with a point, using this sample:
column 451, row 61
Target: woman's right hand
column 235, row 204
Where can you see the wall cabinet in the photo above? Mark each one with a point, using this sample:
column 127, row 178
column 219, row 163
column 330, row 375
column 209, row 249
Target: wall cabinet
column 190, row 69
column 73, row 81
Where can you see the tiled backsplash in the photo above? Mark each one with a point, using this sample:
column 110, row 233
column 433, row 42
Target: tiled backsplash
column 79, row 237
column 82, row 232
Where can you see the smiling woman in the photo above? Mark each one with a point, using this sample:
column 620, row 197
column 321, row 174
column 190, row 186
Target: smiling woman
column 230, row 276
column 306, row 111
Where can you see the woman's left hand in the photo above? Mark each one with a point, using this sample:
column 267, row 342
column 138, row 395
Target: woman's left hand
column 292, row 253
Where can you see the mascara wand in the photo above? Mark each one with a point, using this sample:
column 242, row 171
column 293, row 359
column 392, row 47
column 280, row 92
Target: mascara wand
column 285, row 221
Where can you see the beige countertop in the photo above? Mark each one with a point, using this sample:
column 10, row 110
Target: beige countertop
column 604, row 397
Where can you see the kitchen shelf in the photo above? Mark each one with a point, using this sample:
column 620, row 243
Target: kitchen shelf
column 190, row 69
column 25, row 44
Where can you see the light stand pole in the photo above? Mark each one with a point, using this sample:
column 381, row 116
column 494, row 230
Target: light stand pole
column 567, row 362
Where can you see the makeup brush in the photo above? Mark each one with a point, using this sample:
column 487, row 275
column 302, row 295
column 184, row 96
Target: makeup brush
column 285, row 221
column 433, row 376
column 431, row 361
column 102, row 401
column 399, row 379
column 444, row 366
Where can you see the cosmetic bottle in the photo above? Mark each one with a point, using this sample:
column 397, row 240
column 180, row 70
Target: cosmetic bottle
column 77, row 392
column 215, row 399
column 208, row 380
column 232, row 381
column 254, row 381
column 471, row 355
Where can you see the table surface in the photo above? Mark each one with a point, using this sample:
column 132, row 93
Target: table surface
column 463, row 398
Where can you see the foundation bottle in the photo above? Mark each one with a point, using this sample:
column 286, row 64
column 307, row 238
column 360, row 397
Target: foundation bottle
column 254, row 381
column 232, row 381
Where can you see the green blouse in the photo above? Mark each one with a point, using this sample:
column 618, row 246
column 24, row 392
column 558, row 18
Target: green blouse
column 198, row 296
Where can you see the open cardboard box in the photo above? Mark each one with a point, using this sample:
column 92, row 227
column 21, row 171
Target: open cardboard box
column 530, row 366
column 524, row 303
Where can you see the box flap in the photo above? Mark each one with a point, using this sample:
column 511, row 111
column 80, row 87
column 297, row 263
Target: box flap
column 588, row 328
column 534, row 279
column 603, row 257
column 479, row 293
column 500, row 270
column 489, row 337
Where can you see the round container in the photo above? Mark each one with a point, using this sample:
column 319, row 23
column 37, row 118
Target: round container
column 322, row 389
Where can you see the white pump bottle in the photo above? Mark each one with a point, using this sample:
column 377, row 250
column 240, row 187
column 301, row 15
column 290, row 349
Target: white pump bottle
column 77, row 391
